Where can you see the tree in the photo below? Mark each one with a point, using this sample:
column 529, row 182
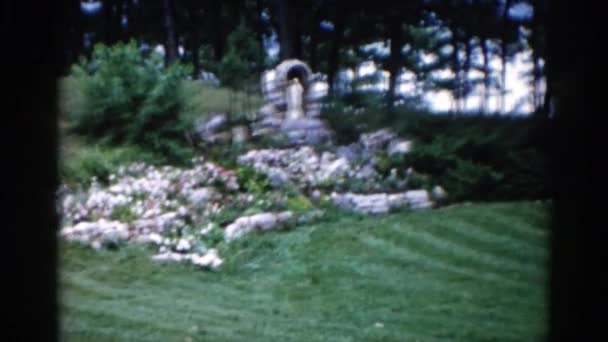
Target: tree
column 73, row 34
column 244, row 59
column 170, row 42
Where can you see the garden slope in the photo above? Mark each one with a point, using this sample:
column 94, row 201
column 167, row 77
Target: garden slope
column 464, row 273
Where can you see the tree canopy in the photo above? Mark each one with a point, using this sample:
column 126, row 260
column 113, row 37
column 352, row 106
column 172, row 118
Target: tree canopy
column 421, row 36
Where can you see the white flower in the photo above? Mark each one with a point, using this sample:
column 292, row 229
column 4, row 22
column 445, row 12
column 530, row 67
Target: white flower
column 183, row 245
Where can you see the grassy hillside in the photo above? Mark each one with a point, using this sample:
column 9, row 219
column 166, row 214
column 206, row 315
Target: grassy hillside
column 200, row 99
column 465, row 273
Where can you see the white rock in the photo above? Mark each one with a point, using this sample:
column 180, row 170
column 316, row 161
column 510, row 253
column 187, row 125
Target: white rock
column 200, row 196
column 183, row 245
column 399, row 147
column 96, row 244
column 169, row 256
column 418, row 199
column 284, row 216
column 338, row 167
column 211, row 259
column 439, row 193
column 377, row 139
column 206, row 230
column 149, row 238
column 182, row 211
column 380, row 203
column 267, row 110
column 263, row 222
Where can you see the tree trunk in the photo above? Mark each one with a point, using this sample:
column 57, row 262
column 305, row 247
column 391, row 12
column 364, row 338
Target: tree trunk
column 297, row 41
column 218, row 41
column 334, row 56
column 457, row 90
column 259, row 24
column 395, row 58
column 537, row 79
column 503, row 56
column 132, row 11
column 314, row 39
column 577, row 243
column 503, row 77
column 486, row 76
column 538, row 39
column 74, row 38
column 194, row 46
column 467, row 68
column 124, row 10
column 286, row 30
column 193, row 42
column 171, row 54
column 111, row 13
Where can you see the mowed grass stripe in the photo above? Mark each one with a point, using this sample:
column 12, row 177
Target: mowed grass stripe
column 157, row 302
column 275, row 327
column 522, row 228
column 517, row 222
column 431, row 299
column 445, row 252
column 431, row 284
column 326, row 282
column 104, row 321
column 465, row 235
column 533, row 212
column 222, row 311
column 432, row 262
column 431, row 315
column 476, row 235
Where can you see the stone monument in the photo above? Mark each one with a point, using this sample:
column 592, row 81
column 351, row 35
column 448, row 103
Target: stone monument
column 294, row 93
column 290, row 107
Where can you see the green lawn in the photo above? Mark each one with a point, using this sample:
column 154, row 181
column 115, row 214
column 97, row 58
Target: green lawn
column 464, row 273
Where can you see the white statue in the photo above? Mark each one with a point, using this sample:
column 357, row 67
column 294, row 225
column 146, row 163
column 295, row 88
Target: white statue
column 294, row 94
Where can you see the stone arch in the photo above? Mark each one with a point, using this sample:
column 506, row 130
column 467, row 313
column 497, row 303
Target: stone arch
column 294, row 68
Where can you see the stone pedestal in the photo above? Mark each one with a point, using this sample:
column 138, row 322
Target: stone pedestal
column 240, row 134
column 291, row 107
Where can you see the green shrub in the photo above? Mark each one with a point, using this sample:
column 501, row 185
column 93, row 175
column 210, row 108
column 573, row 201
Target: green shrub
column 358, row 112
column 471, row 181
column 298, row 204
column 214, row 237
column 82, row 163
column 131, row 99
column 123, row 213
column 252, row 181
column 200, row 100
column 481, row 158
column 473, row 157
column 224, row 154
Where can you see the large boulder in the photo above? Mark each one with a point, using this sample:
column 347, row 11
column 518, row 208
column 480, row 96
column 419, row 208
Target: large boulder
column 382, row 203
column 211, row 124
column 301, row 123
column 399, row 147
column 267, row 110
column 262, row 222
column 418, row 199
column 97, row 233
column 200, row 196
column 240, row 134
column 218, row 138
column 376, row 140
